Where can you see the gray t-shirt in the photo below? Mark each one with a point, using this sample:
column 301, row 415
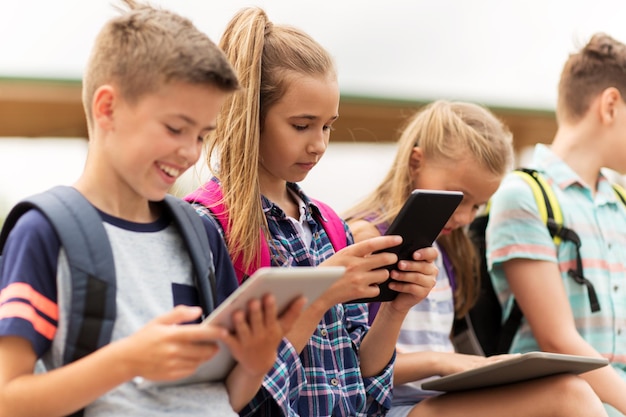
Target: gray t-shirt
column 153, row 272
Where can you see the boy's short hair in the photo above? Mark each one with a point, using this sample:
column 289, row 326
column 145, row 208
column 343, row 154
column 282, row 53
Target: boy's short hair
column 599, row 65
column 145, row 48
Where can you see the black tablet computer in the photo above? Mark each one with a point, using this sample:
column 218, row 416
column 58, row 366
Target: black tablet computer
column 419, row 222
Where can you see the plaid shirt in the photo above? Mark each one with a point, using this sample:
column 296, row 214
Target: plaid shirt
column 325, row 379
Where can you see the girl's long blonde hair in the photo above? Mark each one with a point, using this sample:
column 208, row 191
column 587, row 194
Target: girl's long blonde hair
column 445, row 131
column 266, row 58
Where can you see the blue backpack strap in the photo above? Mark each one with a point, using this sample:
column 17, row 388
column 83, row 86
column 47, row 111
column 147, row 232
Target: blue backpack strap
column 82, row 235
column 93, row 283
column 194, row 233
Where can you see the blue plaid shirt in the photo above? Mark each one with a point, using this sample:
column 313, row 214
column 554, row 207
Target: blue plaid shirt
column 325, row 379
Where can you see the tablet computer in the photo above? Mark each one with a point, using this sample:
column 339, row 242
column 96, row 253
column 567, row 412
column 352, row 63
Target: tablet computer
column 420, row 220
column 519, row 368
column 285, row 283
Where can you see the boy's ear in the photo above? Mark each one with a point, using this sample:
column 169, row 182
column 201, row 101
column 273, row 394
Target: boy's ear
column 415, row 160
column 609, row 102
column 102, row 106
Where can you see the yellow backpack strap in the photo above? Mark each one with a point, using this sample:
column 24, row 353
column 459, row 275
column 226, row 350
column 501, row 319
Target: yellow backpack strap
column 486, row 209
column 620, row 192
column 547, row 204
column 550, row 212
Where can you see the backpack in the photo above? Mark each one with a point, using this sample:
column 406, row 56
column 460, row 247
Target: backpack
column 211, row 197
column 481, row 331
column 81, row 233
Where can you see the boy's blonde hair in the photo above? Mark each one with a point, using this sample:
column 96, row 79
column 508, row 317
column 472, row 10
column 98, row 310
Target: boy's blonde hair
column 447, row 132
column 267, row 58
column 144, row 48
column 599, row 65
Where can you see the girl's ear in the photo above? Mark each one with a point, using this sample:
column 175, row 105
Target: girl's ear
column 102, row 107
column 416, row 160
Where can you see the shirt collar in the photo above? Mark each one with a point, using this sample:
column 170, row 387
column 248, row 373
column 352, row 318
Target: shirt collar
column 563, row 176
column 295, row 189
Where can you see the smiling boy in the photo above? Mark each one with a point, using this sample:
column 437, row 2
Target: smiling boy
column 152, row 90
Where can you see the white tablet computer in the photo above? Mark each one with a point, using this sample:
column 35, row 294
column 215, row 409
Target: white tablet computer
column 519, row 368
column 285, row 283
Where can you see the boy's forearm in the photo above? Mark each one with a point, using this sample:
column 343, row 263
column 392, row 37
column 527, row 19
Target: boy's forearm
column 62, row 391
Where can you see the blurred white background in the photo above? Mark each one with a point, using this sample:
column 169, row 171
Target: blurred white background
column 498, row 53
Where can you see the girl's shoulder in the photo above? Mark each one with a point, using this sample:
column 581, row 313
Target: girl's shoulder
column 362, row 229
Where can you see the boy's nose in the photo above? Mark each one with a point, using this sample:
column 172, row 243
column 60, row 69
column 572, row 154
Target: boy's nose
column 191, row 152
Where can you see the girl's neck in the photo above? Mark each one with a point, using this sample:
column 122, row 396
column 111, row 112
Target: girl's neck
column 279, row 194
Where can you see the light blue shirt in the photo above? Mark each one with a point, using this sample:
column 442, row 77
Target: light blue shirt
column 515, row 230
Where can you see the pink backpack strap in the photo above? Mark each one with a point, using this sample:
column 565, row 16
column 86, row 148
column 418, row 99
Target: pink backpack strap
column 210, row 195
column 333, row 225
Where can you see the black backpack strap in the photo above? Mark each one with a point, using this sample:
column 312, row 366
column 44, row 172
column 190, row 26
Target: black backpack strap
column 487, row 312
column 577, row 274
column 559, row 232
column 509, row 329
column 194, row 233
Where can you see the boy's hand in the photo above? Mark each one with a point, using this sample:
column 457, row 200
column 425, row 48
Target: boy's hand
column 257, row 334
column 364, row 269
column 415, row 279
column 167, row 349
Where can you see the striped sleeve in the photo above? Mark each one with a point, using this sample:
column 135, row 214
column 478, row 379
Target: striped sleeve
column 515, row 229
column 28, row 300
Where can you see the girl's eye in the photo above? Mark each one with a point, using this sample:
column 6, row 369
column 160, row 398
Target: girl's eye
column 300, row 127
column 173, row 130
column 329, row 128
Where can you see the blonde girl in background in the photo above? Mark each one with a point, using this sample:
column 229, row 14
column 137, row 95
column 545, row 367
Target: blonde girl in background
column 455, row 146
